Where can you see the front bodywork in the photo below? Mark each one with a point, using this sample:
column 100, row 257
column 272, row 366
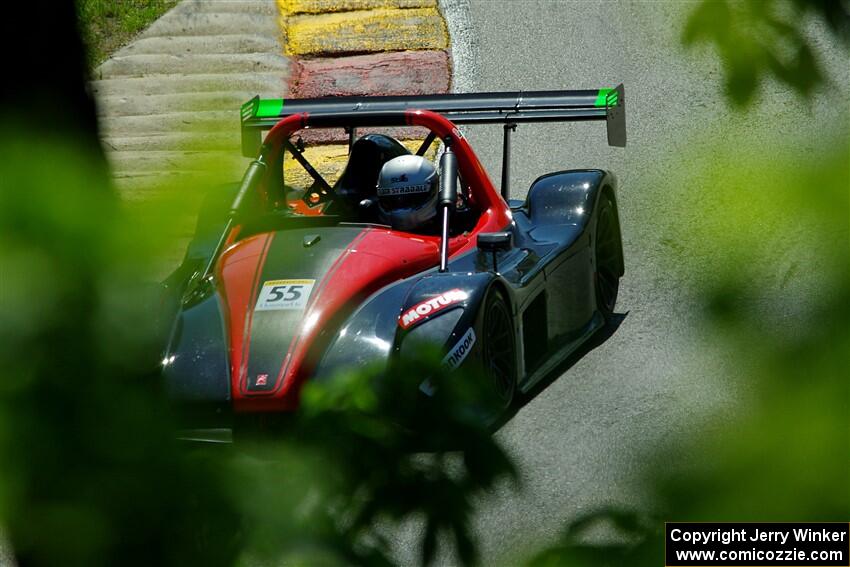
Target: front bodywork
column 363, row 280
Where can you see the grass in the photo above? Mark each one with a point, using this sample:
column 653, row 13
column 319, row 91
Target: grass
column 108, row 25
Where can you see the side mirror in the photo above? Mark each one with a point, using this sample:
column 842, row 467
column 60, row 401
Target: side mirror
column 495, row 241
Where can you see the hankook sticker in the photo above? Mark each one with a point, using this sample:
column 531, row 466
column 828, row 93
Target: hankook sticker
column 459, row 352
column 284, row 294
column 452, row 360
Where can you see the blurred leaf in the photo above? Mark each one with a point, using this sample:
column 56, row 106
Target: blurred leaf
column 759, row 38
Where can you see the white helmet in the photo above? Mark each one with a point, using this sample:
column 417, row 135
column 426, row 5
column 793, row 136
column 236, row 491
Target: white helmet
column 407, row 192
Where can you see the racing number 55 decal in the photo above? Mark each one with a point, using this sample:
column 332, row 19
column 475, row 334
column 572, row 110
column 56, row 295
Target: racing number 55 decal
column 284, row 294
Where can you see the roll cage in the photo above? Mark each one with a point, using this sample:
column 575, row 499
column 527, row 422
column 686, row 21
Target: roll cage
column 506, row 108
column 482, row 193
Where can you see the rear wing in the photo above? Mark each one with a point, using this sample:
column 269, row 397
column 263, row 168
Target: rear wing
column 506, row 108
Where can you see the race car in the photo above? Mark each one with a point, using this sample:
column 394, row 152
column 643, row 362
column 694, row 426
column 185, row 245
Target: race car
column 284, row 284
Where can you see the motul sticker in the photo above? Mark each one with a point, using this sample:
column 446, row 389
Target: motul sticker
column 459, row 352
column 431, row 306
column 284, row 294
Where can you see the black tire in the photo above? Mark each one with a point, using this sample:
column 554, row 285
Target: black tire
column 499, row 348
column 608, row 262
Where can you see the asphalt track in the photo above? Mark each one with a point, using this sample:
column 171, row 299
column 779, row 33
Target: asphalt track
column 582, row 441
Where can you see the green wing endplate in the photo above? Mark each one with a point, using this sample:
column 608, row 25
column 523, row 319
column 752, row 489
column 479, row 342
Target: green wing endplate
column 615, row 114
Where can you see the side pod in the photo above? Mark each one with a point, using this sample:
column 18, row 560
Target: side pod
column 560, row 205
column 441, row 309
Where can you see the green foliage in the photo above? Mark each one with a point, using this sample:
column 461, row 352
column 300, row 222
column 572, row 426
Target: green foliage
column 785, row 458
column 91, row 469
column 640, row 541
column 107, row 25
column 379, row 454
column 760, row 38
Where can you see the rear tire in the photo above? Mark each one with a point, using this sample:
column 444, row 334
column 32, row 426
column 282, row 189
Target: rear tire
column 498, row 348
column 607, row 256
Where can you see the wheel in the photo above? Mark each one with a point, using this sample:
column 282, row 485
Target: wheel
column 607, row 256
column 498, row 348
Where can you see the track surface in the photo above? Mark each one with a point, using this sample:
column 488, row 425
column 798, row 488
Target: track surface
column 582, row 440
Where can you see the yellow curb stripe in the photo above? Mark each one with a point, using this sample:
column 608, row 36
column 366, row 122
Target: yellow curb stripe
column 329, row 160
column 291, row 7
column 366, row 32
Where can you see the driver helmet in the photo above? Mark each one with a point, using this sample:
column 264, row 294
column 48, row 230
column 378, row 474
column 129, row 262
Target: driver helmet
column 407, row 190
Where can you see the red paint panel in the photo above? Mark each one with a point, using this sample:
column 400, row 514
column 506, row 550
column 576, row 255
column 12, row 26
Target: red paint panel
column 308, row 316
column 379, row 258
column 239, row 269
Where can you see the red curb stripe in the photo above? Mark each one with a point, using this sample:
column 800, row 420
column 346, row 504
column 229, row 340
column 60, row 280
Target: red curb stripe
column 387, row 73
column 396, row 73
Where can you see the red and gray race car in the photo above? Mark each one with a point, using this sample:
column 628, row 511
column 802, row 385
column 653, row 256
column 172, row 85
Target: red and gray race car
column 284, row 284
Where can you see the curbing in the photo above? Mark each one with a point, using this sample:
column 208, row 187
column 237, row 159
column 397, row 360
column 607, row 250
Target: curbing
column 396, row 73
column 363, row 47
column 174, row 90
column 366, row 31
